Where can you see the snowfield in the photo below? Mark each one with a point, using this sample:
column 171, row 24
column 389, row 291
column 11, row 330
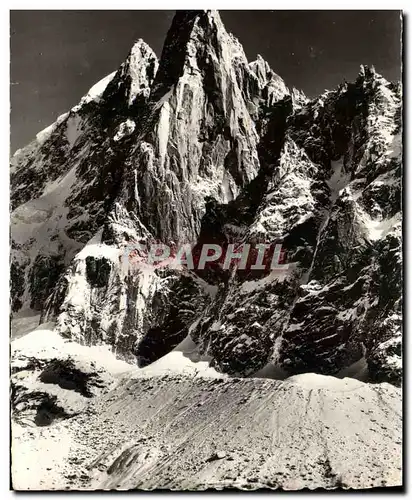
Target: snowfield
column 179, row 424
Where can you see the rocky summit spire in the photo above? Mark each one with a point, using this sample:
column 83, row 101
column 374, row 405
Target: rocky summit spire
column 200, row 138
column 175, row 50
column 134, row 78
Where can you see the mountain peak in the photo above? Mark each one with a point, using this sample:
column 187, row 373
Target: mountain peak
column 141, row 48
column 367, row 71
column 194, row 39
column 135, row 76
column 369, row 75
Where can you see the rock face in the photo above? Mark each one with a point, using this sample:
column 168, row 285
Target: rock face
column 202, row 146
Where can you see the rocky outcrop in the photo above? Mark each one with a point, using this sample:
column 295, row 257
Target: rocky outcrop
column 53, row 379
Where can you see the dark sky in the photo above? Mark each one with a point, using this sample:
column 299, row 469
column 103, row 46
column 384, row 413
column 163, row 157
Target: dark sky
column 56, row 56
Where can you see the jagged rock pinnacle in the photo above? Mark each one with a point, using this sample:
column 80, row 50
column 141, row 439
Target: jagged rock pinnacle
column 135, row 76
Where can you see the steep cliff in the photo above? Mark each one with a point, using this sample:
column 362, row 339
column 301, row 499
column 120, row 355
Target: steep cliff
column 332, row 194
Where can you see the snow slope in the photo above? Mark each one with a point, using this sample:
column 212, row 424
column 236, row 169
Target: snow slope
column 180, row 432
column 184, row 359
column 179, row 424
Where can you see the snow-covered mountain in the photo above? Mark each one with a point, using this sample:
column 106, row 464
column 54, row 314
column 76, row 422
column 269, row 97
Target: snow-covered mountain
column 203, row 146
